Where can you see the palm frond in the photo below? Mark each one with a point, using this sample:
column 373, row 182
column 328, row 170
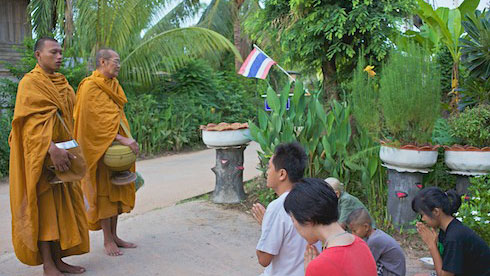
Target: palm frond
column 219, row 17
column 184, row 11
column 170, row 50
column 45, row 15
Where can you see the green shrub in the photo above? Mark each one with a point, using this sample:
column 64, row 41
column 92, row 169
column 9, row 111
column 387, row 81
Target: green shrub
column 5, row 126
column 168, row 116
column 405, row 104
column 410, row 95
column 472, row 127
column 475, row 210
column 326, row 136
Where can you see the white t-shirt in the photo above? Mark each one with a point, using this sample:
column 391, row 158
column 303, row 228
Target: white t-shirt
column 279, row 238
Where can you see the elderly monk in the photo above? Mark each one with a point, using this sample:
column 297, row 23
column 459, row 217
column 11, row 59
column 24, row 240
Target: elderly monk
column 48, row 220
column 99, row 111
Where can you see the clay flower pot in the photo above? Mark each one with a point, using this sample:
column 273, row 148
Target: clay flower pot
column 225, row 135
column 467, row 160
column 408, row 158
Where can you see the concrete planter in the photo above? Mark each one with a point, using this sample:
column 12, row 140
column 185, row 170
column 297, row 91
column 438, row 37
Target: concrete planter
column 467, row 160
column 409, row 158
column 226, row 138
column 406, row 166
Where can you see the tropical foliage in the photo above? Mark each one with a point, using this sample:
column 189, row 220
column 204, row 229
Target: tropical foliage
column 405, row 104
column 107, row 23
column 475, row 210
column 472, row 127
column 325, row 36
column 444, row 25
column 166, row 117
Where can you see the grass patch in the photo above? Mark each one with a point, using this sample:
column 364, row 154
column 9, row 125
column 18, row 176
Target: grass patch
column 206, row 197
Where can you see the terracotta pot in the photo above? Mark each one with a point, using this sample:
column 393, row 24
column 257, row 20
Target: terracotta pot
column 409, row 158
column 226, row 138
column 467, row 160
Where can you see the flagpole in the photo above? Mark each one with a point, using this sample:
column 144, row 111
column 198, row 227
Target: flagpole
column 282, row 69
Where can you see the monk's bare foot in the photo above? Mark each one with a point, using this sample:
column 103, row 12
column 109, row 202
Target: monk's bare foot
column 66, row 268
column 111, row 249
column 51, row 271
column 124, row 244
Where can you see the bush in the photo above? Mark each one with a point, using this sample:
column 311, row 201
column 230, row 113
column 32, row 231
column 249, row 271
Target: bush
column 167, row 117
column 5, row 125
column 328, row 140
column 405, row 105
column 475, row 210
column 472, row 127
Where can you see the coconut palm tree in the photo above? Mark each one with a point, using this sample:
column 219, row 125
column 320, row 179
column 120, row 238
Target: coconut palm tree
column 226, row 17
column 146, row 41
column 52, row 17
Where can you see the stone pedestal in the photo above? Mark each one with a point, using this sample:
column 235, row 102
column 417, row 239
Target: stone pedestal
column 229, row 174
column 402, row 188
column 462, row 184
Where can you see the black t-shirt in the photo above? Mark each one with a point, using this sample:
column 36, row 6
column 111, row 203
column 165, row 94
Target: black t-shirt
column 463, row 251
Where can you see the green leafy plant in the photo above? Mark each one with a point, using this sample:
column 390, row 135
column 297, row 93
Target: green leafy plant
column 326, row 136
column 472, row 127
column 446, row 23
column 405, row 106
column 475, row 209
column 476, row 57
column 324, row 36
column 5, row 119
column 167, row 116
column 328, row 139
column 410, row 95
column 476, row 44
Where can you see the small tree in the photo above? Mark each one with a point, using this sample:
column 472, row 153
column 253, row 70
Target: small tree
column 324, row 36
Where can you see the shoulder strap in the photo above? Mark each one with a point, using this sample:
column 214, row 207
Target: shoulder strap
column 63, row 123
column 125, row 128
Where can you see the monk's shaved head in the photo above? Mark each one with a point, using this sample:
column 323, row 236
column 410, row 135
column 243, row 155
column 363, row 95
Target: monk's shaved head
column 40, row 43
column 104, row 53
column 358, row 217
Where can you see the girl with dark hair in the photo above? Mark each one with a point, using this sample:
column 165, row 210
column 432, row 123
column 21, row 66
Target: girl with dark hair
column 312, row 205
column 457, row 250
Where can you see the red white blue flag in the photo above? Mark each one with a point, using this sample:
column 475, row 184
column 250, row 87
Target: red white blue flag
column 257, row 65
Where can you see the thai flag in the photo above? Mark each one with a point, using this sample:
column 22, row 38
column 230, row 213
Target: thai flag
column 257, row 65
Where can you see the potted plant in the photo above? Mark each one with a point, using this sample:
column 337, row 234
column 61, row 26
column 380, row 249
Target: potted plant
column 471, row 130
column 400, row 107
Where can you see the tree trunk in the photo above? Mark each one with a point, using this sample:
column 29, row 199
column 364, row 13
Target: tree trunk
column 237, row 32
column 329, row 84
column 454, row 87
column 68, row 24
column 229, row 175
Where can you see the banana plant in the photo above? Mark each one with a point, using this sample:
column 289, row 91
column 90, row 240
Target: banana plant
column 446, row 23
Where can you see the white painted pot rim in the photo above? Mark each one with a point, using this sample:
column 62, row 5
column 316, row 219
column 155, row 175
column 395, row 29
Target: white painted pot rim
column 407, row 160
column 468, row 162
column 226, row 138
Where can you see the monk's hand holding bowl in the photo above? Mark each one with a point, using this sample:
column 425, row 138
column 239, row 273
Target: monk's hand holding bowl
column 60, row 157
column 130, row 142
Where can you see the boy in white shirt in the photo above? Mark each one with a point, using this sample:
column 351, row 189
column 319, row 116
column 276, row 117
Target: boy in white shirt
column 280, row 248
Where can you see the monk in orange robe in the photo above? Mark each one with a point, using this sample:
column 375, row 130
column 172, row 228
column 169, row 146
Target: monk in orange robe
column 48, row 220
column 99, row 111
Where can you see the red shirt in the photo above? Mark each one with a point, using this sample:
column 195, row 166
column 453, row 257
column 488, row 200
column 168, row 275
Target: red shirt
column 354, row 259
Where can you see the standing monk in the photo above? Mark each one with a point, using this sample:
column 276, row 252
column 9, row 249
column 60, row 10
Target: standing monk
column 48, row 220
column 99, row 111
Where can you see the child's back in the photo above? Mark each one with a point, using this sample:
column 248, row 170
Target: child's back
column 387, row 252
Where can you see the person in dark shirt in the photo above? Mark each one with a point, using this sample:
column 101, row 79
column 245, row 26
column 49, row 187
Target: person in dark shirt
column 457, row 250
